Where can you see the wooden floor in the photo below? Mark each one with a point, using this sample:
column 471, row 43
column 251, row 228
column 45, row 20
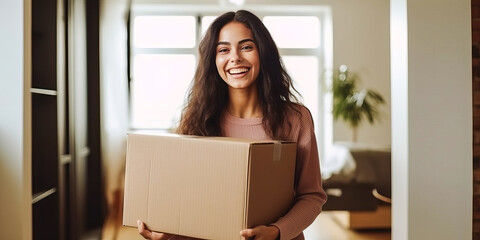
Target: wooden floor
column 325, row 227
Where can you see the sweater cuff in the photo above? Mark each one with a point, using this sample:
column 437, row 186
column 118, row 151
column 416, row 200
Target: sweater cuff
column 282, row 225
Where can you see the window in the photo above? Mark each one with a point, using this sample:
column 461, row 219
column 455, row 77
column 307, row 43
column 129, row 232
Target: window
column 163, row 64
column 164, row 32
column 159, row 86
column 163, row 60
column 294, row 31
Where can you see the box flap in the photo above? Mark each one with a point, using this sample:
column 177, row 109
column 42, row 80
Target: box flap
column 210, row 138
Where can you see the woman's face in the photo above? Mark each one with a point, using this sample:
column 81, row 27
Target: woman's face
column 237, row 57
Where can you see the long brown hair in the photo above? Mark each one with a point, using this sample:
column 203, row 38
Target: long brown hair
column 208, row 96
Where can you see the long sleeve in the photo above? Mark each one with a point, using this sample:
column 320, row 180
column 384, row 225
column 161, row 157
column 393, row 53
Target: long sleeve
column 309, row 194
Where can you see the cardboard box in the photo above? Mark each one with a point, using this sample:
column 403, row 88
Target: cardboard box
column 206, row 187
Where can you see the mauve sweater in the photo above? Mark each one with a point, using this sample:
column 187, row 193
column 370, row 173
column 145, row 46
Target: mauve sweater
column 309, row 194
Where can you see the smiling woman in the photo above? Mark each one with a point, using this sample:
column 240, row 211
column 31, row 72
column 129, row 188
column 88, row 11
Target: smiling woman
column 242, row 90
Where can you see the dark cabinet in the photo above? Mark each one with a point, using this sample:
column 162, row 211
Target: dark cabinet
column 44, row 95
column 62, row 164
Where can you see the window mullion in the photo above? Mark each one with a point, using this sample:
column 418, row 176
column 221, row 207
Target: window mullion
column 164, row 51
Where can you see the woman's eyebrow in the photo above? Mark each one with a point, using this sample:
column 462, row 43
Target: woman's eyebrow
column 246, row 40
column 223, row 43
column 239, row 42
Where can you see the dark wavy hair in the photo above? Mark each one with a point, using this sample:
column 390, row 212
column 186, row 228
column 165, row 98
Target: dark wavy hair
column 208, row 95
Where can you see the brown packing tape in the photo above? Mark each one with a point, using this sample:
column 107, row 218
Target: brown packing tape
column 277, row 151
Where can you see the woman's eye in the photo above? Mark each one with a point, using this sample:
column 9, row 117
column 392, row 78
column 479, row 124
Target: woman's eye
column 247, row 47
column 222, row 50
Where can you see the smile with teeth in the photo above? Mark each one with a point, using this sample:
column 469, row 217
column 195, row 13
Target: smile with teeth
column 238, row 70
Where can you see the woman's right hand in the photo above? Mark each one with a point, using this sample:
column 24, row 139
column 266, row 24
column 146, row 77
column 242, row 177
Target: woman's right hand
column 147, row 234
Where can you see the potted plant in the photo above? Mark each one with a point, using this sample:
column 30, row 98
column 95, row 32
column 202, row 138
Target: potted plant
column 351, row 104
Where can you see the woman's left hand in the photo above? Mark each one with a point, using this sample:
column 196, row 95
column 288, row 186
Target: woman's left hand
column 261, row 232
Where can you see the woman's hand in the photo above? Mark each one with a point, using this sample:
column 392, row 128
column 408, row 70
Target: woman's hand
column 261, row 232
column 147, row 234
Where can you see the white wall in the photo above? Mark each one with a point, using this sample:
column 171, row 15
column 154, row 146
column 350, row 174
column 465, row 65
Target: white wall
column 114, row 91
column 15, row 147
column 361, row 41
column 432, row 121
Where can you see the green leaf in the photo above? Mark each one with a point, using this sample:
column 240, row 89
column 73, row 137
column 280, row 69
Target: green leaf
column 352, row 105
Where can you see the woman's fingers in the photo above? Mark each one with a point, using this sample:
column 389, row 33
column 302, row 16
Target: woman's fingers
column 261, row 232
column 246, row 233
column 147, row 234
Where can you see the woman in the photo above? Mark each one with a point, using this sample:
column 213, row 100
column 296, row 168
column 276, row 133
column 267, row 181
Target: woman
column 241, row 89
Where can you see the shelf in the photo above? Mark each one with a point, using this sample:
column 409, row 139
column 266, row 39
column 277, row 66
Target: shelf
column 66, row 158
column 39, row 196
column 43, row 91
column 46, row 218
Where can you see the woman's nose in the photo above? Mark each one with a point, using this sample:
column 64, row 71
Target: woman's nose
column 235, row 57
